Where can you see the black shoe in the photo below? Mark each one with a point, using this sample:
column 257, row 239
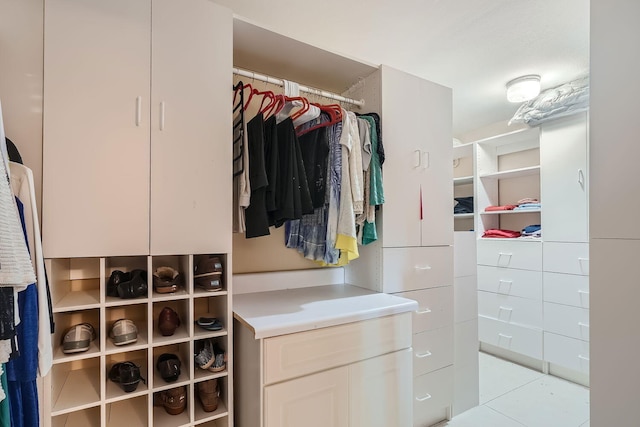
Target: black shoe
column 135, row 287
column 115, row 279
column 127, row 374
column 169, row 366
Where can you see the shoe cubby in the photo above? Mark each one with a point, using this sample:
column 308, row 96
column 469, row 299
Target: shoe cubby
column 75, row 384
column 126, row 265
column 199, row 292
column 74, row 283
column 211, row 307
column 137, row 313
column 114, row 391
column 161, row 416
column 182, row 332
column 83, row 418
column 219, row 422
column 64, row 321
column 183, row 352
column 200, row 374
column 220, row 413
column 181, row 264
column 130, row 413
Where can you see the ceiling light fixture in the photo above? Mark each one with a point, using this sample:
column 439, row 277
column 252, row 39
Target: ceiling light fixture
column 523, row 88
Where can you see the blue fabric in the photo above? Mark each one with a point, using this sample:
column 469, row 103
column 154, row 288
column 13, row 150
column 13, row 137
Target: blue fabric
column 22, row 371
column 531, row 228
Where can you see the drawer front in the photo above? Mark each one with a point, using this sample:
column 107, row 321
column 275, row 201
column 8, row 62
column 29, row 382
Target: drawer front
column 432, row 350
column 568, row 352
column 409, row 269
column 435, row 308
column 565, row 320
column 294, row 355
column 520, row 339
column 522, row 254
column 508, row 281
column 510, row 309
column 568, row 289
column 571, row 258
column 432, row 396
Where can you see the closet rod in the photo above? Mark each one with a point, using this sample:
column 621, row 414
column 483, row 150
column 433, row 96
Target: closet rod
column 273, row 80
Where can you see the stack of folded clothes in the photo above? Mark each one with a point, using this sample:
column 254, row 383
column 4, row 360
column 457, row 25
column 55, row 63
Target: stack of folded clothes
column 532, row 231
column 502, row 234
column 500, row 208
column 463, row 205
column 527, row 204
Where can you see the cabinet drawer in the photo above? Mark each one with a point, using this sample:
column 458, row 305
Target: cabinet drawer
column 435, row 308
column 432, row 350
column 568, row 289
column 520, row 339
column 565, row 320
column 522, row 254
column 508, row 281
column 571, row 258
column 521, row 311
column 568, row 352
column 294, row 355
column 432, row 397
column 408, row 269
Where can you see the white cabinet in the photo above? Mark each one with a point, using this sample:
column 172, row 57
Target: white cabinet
column 417, row 176
column 563, row 179
column 136, row 126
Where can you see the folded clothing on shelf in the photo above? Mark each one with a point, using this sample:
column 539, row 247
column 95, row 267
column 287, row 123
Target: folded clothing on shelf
column 527, row 200
column 500, row 208
column 499, row 233
column 463, row 205
column 534, row 230
column 527, row 206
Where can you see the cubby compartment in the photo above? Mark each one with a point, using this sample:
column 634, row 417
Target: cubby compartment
column 183, row 352
column 221, row 412
column 83, row 418
column 183, row 330
column 74, row 283
column 137, row 313
column 129, row 412
column 211, row 307
column 114, row 391
column 182, row 265
column 200, row 292
column 126, row 264
column 219, row 422
column 75, row 385
column 64, row 322
column 161, row 418
column 202, row 374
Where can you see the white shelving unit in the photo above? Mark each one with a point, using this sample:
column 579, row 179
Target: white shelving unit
column 463, row 178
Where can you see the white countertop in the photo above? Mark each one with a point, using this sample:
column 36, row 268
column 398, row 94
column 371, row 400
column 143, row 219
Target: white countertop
column 282, row 312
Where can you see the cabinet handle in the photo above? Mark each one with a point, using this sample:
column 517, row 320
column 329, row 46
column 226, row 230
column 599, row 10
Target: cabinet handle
column 506, row 282
column 425, row 311
column 423, row 355
column 581, row 178
column 422, row 399
column 418, row 159
column 506, row 308
column 583, row 292
column 505, row 336
column 425, row 160
column 138, row 110
column 162, row 116
column 586, row 359
column 583, row 325
column 425, row 267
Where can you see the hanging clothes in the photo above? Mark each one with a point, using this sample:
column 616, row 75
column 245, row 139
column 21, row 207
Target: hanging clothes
column 5, row 401
column 257, row 219
column 241, row 182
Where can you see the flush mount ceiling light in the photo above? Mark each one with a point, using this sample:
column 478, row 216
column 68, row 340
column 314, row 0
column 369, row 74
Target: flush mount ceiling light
column 523, row 88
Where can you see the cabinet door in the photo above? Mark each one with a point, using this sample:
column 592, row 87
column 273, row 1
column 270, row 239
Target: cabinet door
column 417, row 121
column 563, row 179
column 190, row 132
column 318, row 400
column 96, row 128
column 381, row 391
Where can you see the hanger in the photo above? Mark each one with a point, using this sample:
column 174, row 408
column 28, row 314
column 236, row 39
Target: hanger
column 335, row 116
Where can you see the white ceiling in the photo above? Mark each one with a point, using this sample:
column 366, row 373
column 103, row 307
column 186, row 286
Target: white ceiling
column 472, row 46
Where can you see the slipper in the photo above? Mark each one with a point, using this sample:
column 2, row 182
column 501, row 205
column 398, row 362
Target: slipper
column 209, row 323
column 166, row 280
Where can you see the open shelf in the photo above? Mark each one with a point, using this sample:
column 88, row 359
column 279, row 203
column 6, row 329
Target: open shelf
column 199, row 293
column 513, row 173
column 513, row 211
column 163, row 419
column 202, row 416
column 114, row 391
column 463, row 180
column 463, row 215
column 75, row 387
column 131, row 413
column 180, row 293
column 78, row 300
column 60, row 357
column 83, row 418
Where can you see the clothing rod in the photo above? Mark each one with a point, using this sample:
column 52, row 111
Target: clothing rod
column 279, row 82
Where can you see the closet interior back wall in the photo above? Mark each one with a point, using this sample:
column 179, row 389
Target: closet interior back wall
column 268, row 253
column 512, row 190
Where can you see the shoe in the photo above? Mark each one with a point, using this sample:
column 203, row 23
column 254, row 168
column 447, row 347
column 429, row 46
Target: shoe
column 115, row 279
column 173, row 400
column 124, row 331
column 135, row 287
column 166, row 280
column 169, row 366
column 208, row 394
column 127, row 374
column 205, row 357
column 209, row 323
column 208, row 273
column 78, row 338
column 219, row 359
column 168, row 321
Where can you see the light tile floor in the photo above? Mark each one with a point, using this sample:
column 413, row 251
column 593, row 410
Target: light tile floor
column 514, row 396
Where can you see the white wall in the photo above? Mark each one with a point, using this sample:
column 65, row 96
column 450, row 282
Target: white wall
column 614, row 205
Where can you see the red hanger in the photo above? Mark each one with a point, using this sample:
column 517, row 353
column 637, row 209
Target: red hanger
column 335, row 115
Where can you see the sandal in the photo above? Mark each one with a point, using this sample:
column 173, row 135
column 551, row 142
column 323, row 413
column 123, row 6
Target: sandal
column 209, row 323
column 127, row 374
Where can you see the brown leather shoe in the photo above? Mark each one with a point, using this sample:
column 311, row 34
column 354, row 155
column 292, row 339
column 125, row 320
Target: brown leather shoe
column 174, row 400
column 208, row 393
column 168, row 321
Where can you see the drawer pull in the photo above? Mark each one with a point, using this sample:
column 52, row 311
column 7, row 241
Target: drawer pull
column 425, row 311
column 505, row 336
column 138, row 110
column 583, row 292
column 581, row 357
column 505, row 282
column 504, row 254
column 506, row 308
column 583, row 325
column 418, row 159
column 425, row 267
column 422, row 399
column 423, row 355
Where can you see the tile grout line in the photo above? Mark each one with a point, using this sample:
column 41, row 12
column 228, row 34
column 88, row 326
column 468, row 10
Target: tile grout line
column 505, row 415
column 514, row 389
